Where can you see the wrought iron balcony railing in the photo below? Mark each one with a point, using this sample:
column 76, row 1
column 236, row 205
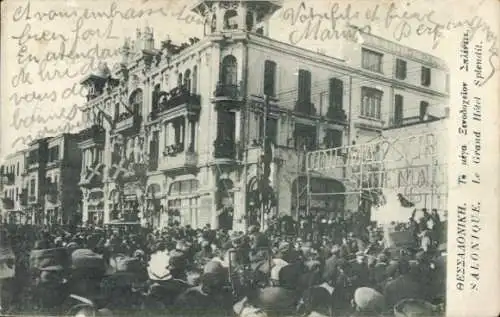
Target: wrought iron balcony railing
column 230, row 91
column 305, row 107
column 225, row 149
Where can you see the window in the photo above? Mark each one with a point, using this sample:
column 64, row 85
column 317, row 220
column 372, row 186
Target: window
column 333, row 138
column 32, row 187
column 117, row 111
column 187, row 80
column 195, row 79
column 425, row 77
column 17, row 169
column 305, row 137
column 336, row 93
column 371, row 102
column 270, row 78
column 184, row 207
column 304, row 91
column 424, row 108
column 136, row 102
column 271, row 128
column 249, row 20
column 17, row 193
column 372, row 60
column 54, row 153
column 179, row 80
column 398, row 110
column 229, row 70
column 230, row 19
column 400, row 69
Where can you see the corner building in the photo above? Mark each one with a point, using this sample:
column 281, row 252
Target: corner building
column 178, row 132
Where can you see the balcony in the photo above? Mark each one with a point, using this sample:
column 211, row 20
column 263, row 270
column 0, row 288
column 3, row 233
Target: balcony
column 181, row 102
column 127, row 121
column 53, row 164
column 9, row 178
column 227, row 93
column 94, row 134
column 306, row 108
column 179, row 159
column 225, row 149
column 7, row 203
column 336, row 114
column 52, row 196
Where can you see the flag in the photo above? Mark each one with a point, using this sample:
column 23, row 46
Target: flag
column 405, row 202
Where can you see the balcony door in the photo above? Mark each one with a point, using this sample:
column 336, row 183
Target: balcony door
column 225, row 126
column 229, row 71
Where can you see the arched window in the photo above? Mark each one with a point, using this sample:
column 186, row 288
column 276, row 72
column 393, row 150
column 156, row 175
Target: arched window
column 229, row 70
column 249, row 20
column 187, row 80
column 136, row 101
column 179, row 80
column 230, row 20
column 117, row 111
column 213, row 23
column 155, row 96
column 195, row 79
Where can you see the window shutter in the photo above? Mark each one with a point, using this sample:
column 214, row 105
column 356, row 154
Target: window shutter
column 398, row 109
column 269, row 78
column 336, row 93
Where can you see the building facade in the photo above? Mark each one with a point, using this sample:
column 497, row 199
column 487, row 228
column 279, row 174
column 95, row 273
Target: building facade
column 12, row 172
column 216, row 130
column 41, row 182
column 62, row 194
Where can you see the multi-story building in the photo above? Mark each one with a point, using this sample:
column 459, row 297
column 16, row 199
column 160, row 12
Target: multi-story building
column 197, row 130
column 34, row 179
column 12, row 185
column 62, row 193
column 46, row 189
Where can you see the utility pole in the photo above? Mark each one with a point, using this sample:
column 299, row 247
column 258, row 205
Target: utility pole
column 261, row 161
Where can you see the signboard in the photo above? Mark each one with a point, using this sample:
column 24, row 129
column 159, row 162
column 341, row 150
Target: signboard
column 413, row 166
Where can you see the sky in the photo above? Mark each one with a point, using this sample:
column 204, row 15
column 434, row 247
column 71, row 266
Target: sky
column 39, row 27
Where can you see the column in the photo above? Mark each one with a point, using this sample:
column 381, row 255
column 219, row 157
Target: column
column 237, row 125
column 242, row 14
column 187, row 133
column 193, row 135
column 254, row 16
column 220, row 17
column 170, row 133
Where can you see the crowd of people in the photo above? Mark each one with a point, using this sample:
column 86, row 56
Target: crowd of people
column 288, row 269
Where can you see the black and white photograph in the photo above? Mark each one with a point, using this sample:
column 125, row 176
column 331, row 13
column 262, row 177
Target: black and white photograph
column 244, row 158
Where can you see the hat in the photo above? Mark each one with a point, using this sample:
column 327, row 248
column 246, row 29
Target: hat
column 283, row 246
column 253, row 229
column 275, row 299
column 213, row 267
column 413, row 308
column 275, row 271
column 176, row 260
column 335, row 249
column 369, row 300
column 49, row 265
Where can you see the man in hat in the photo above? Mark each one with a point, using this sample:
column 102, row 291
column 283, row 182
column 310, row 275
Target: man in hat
column 402, row 286
column 51, row 286
column 208, row 298
column 368, row 302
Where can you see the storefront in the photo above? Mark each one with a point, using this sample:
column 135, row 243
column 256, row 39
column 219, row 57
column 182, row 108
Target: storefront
column 183, row 203
column 326, row 196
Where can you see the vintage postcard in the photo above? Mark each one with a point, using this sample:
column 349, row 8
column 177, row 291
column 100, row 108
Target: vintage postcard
column 249, row 158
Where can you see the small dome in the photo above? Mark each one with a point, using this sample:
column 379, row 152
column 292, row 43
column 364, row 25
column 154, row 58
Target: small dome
column 103, row 70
